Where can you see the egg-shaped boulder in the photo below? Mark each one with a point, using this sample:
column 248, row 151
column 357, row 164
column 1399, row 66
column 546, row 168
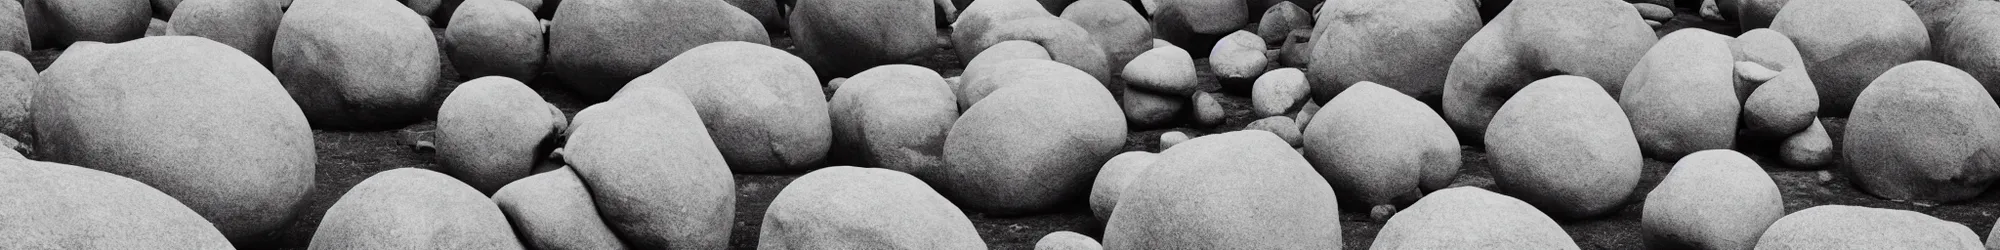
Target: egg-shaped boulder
column 654, row 174
column 981, row 17
column 1112, row 179
column 1848, row 43
column 1399, row 44
column 357, row 65
column 1171, row 138
column 493, row 130
column 863, row 208
column 1116, row 26
column 893, row 117
column 1470, row 217
column 1281, row 19
column 1809, row 149
column 14, row 26
column 1238, row 60
column 971, row 85
column 1032, row 145
column 1600, row 40
column 62, row 206
column 1782, row 106
column 1380, row 147
column 1296, row 50
column 248, row 25
column 495, row 38
column 1067, row 43
column 142, row 101
column 1146, row 109
column 763, row 106
column 1208, row 111
column 842, row 37
column 1851, row 227
column 1278, row 91
column 1681, row 98
column 552, row 210
column 1563, row 145
column 993, row 77
column 1197, row 24
column 1713, row 199
column 1767, row 48
column 1164, row 69
column 597, row 46
column 1202, row 194
column 58, row 23
column 1967, row 36
column 1066, row 240
column 1924, row 131
column 409, row 208
column 17, row 95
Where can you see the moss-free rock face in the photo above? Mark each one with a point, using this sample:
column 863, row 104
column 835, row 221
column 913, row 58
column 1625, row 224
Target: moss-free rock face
column 1809, row 149
column 1713, row 199
column 1848, row 43
column 1278, row 91
column 17, row 95
column 993, row 77
column 893, row 117
column 14, row 26
column 1924, row 131
column 1470, row 217
column 357, row 65
column 130, row 109
column 1197, row 24
column 981, row 17
column 1199, row 195
column 843, row 37
column 409, row 208
column 1281, row 19
column 1380, row 147
column 1599, row 40
column 1164, row 69
column 1564, row 146
column 764, row 107
column 1116, row 26
column 656, row 177
column 247, row 25
column 552, row 210
column 1682, row 96
column 62, row 206
column 1149, row 110
column 972, row 84
column 863, row 208
column 597, row 46
column 1783, row 106
column 58, row 23
column 1066, row 240
column 1284, row 127
column 767, row 12
column 1114, row 177
column 1171, row 138
column 494, row 130
column 495, row 38
column 1238, row 60
column 1032, row 145
column 1403, row 45
column 1967, row 36
column 1208, row 111
column 1067, row 43
column 1838, row 226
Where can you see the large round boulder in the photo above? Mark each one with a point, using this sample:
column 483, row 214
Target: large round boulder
column 1111, row 180
column 17, row 95
column 58, row 23
column 247, row 25
column 135, row 109
column 61, row 206
column 981, row 17
column 357, row 65
column 1197, row 24
column 1848, row 43
column 409, row 208
column 1851, row 227
column 1782, row 106
column 1164, row 70
column 1713, row 199
column 843, row 37
column 893, row 117
column 991, row 78
column 1032, row 145
column 972, row 82
column 597, row 46
column 1380, row 147
column 14, row 27
column 494, row 130
column 1116, row 26
column 1243, row 189
column 1924, row 131
column 1281, row 19
column 1599, row 40
column 1067, row 43
column 763, row 106
column 495, row 38
column 1681, row 98
column 864, row 208
column 656, row 177
column 1396, row 43
column 1968, row 37
column 1469, row 217
column 552, row 210
column 1563, row 145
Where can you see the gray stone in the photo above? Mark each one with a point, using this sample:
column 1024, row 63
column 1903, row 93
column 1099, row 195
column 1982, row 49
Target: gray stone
column 769, row 12
column 14, row 27
column 1924, row 131
column 762, row 105
column 861, row 208
column 1238, row 60
column 981, row 17
column 893, row 117
column 1166, row 69
column 1066, row 240
column 1145, row 109
column 1600, row 40
column 1171, row 138
column 1781, row 107
column 1066, row 42
column 1713, row 199
column 1654, row 12
column 247, row 25
column 1848, row 43
column 597, row 46
column 58, row 23
column 60, row 206
column 1032, row 145
column 1809, row 149
column 1681, row 98
column 1850, row 227
column 1117, row 27
column 1281, row 19
column 1470, row 217
column 654, row 174
column 409, row 208
column 495, row 38
column 843, row 37
column 1968, row 37
column 1757, row 14
column 1278, row 91
column 1197, row 24
column 1563, row 145
column 1111, row 180
column 1405, row 45
column 552, row 210
column 1208, row 112
column 17, row 95
column 1282, row 126
column 357, row 65
column 1380, row 147
column 1243, row 189
column 988, row 65
column 493, row 130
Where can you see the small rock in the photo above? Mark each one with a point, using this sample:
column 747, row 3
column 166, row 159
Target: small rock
column 1112, row 179
column 1066, row 240
column 1171, row 138
column 1809, row 149
column 553, row 210
column 1653, row 12
column 1164, row 69
column 1278, row 91
column 1208, row 112
column 1284, row 127
column 495, row 38
column 1237, row 60
column 1147, row 110
column 1900, row 122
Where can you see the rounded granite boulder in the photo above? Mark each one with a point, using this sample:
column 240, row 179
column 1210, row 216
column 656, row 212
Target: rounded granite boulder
column 17, row 95
column 1197, row 24
column 1924, row 131
column 1599, row 40
column 981, row 17
column 1809, row 149
column 14, row 26
column 1470, row 217
column 1682, row 96
column 1713, row 199
column 1238, row 60
column 1033, row 144
column 597, row 46
column 987, row 65
column 495, row 38
column 1279, row 91
column 1066, row 240
column 1563, row 145
column 247, row 25
column 1066, row 42
column 494, row 130
column 1380, row 147
column 1146, row 109
column 410, row 208
column 651, row 169
column 1202, row 194
column 1967, row 36
column 61, row 206
column 1848, row 43
column 1114, row 177
column 842, row 37
column 1116, row 26
column 864, row 208
column 552, row 210
column 893, row 117
column 58, row 23
column 1167, row 70
column 1401, row 44
column 357, row 64
column 763, row 106
column 1851, row 227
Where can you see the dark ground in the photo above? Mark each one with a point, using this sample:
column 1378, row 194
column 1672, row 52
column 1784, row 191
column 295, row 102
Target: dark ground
column 346, row 158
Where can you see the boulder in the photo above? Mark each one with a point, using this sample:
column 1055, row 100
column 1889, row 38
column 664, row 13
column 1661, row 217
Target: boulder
column 1781, row 107
column 770, row 15
column 1163, row 69
column 1654, row 12
column 862, row 208
column 1968, row 37
column 1768, row 48
column 1851, row 227
column 1809, row 149
column 144, row 100
column 1296, row 52
column 1208, row 112
column 893, row 117
column 62, row 206
column 1380, row 147
column 1197, row 24
column 1713, row 199
column 1146, row 110
column 1758, row 14
column 1600, row 40
column 1066, row 240
column 493, row 130
column 14, row 26
column 654, row 174
column 58, row 23
column 1924, row 131
column 247, row 25
column 1202, row 195
column 996, row 76
column 1117, row 27
column 495, row 38
column 1282, row 126
column 1470, row 217
column 1031, row 145
column 1848, row 43
column 1405, row 45
column 1278, row 91
column 981, row 17
column 357, row 65
column 987, row 66
column 1681, row 98
column 842, row 37
column 1171, row 138
column 424, row 8
column 410, row 208
column 1563, row 145
column 1066, row 42
column 1114, row 177
column 597, row 46
column 1238, row 60
column 17, row 95
column 1281, row 19
column 763, row 106
column 552, row 210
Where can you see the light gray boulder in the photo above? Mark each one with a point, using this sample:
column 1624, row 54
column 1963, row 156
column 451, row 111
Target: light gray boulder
column 1563, row 145
column 652, row 170
column 53, row 205
column 409, row 208
column 861, row 208
column 1200, row 195
column 357, row 65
